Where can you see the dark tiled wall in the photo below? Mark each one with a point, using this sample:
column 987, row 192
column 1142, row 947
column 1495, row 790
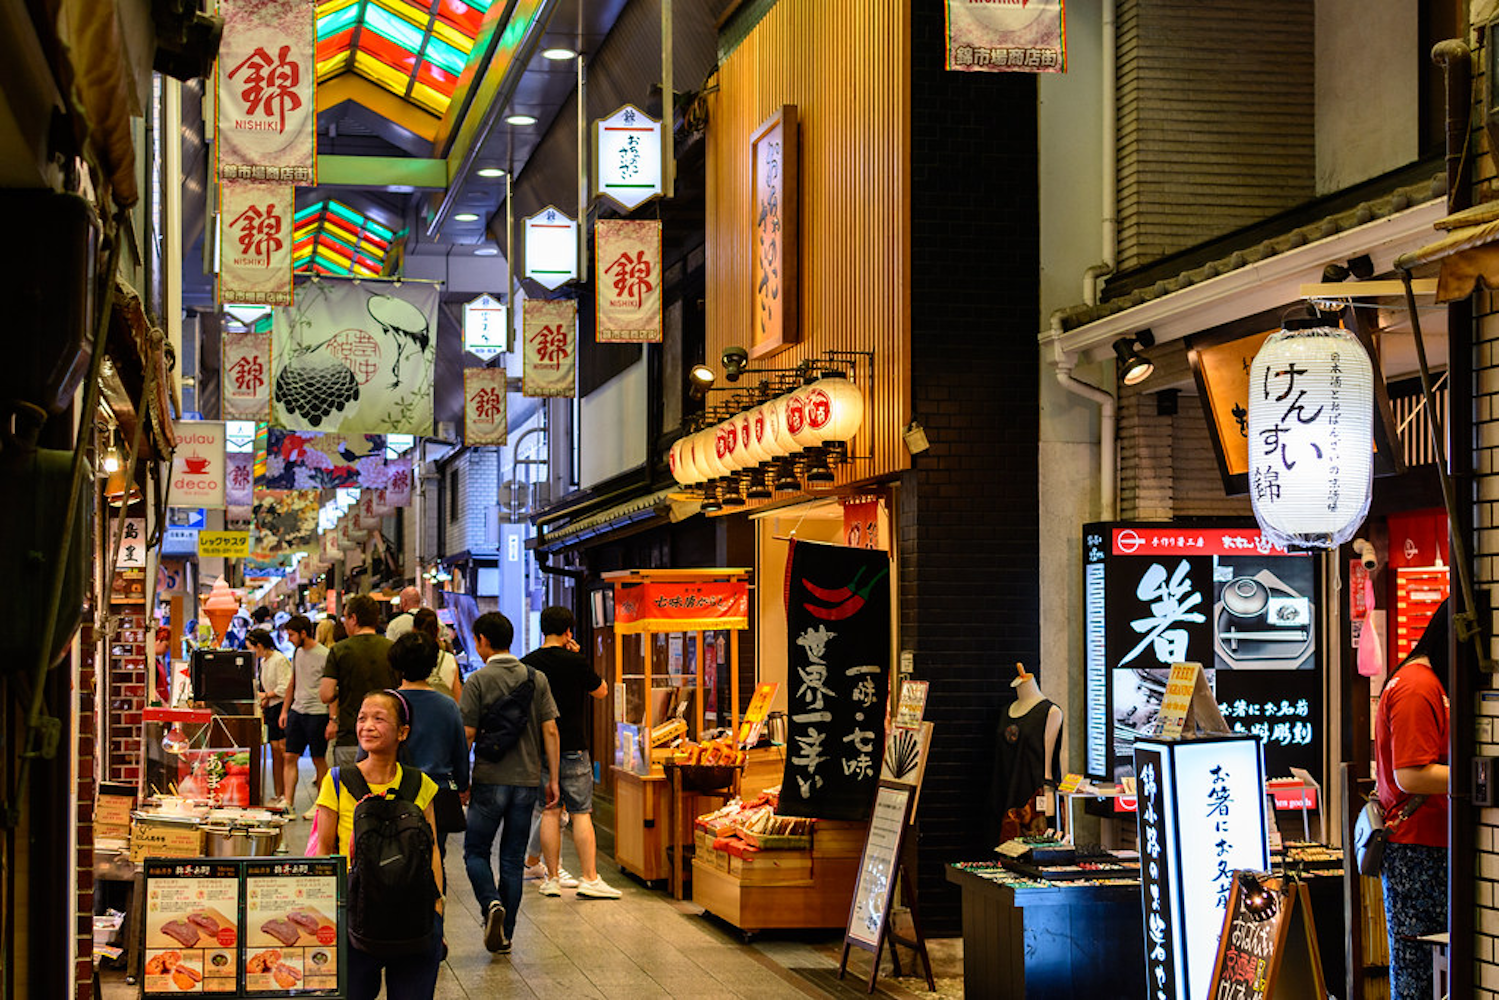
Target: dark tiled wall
column 968, row 508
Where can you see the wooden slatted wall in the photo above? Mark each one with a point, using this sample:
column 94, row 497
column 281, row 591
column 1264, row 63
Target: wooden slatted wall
column 845, row 64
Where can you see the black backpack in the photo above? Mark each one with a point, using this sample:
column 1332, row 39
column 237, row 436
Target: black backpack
column 505, row 721
column 392, row 894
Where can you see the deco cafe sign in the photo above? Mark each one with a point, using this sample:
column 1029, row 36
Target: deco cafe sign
column 825, row 413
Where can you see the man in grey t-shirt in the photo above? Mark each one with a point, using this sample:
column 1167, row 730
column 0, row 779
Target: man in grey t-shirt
column 502, row 793
column 303, row 714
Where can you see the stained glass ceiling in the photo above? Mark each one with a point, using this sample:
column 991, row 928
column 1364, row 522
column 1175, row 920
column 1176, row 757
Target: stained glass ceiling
column 416, row 49
column 329, row 237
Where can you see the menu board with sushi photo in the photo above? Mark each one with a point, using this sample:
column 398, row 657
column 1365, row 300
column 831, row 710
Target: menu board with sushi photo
column 292, row 936
column 192, row 929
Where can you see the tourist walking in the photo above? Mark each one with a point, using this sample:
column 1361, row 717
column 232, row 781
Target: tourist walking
column 355, row 667
column 304, row 717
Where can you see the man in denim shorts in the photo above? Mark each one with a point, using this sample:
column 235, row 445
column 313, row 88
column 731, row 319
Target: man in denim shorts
column 572, row 681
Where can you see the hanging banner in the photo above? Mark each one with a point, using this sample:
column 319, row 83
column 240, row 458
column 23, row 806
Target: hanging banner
column 838, row 631
column 198, row 464
column 306, row 460
column 330, row 551
column 356, row 358
column 285, row 521
column 484, row 406
column 239, row 486
column 267, row 120
column 398, row 486
column 628, row 290
column 550, row 330
column 485, row 330
column 988, row 37
column 245, row 392
column 551, row 248
column 627, row 156
column 255, row 261
column 132, row 553
column 223, row 544
column 680, row 607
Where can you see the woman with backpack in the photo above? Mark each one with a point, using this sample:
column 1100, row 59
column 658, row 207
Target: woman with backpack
column 379, row 816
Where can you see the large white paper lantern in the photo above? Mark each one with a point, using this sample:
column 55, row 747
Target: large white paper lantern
column 677, row 463
column 725, row 437
column 776, row 443
column 834, row 408
column 741, row 452
column 798, row 419
column 1311, row 436
column 756, row 434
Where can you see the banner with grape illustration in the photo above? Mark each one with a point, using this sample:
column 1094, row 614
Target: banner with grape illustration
column 356, row 358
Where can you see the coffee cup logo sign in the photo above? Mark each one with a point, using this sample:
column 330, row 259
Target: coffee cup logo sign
column 198, row 464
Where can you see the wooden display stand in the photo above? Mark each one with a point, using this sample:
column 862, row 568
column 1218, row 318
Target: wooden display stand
column 642, row 806
column 793, row 889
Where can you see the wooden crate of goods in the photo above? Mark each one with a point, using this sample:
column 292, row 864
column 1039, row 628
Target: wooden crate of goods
column 771, row 867
column 838, row 838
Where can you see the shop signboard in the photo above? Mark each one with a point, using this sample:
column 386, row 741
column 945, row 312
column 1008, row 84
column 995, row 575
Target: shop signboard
column 666, row 606
column 192, row 933
column 292, row 937
column 550, row 354
column 267, row 114
column 551, row 248
column 245, row 385
column 223, row 544
column 485, row 330
column 179, row 542
column 627, row 156
column 132, row 551
column 628, row 289
column 198, row 464
column 255, row 267
column 484, row 407
column 1201, row 814
column 988, row 37
column 1209, row 592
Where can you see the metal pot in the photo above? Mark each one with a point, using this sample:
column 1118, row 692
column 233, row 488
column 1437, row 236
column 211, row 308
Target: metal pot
column 241, row 841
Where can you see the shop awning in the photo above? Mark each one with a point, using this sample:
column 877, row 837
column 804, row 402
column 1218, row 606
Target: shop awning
column 645, row 511
column 1467, row 253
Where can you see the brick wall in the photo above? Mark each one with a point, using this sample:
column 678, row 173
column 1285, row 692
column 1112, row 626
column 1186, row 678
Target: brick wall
column 968, row 507
column 125, row 688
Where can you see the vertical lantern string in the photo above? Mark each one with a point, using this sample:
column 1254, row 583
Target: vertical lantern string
column 1466, row 621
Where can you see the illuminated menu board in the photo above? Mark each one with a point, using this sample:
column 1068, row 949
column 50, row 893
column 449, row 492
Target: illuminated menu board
column 1214, row 593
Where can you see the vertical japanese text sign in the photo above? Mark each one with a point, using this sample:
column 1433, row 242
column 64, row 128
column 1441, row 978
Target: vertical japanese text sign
column 628, row 287
column 484, row 406
column 550, row 330
column 267, row 109
column 774, row 270
column 551, row 248
column 627, row 151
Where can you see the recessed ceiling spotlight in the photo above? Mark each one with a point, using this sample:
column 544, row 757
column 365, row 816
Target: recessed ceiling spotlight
column 490, row 172
column 520, row 120
column 486, row 251
column 558, row 54
column 465, row 217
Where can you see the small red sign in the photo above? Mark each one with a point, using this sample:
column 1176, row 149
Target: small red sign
column 226, row 937
column 326, row 934
column 1180, row 541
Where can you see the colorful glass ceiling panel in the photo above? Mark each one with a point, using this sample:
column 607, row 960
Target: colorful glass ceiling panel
column 416, row 49
column 329, row 237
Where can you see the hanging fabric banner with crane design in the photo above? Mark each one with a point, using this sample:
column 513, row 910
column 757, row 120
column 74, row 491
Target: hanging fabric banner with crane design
column 356, row 357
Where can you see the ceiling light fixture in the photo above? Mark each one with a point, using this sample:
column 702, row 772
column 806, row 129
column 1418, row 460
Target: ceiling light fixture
column 558, row 54
column 1134, row 367
column 520, row 120
column 699, row 381
column 466, row 217
column 486, row 251
column 490, row 172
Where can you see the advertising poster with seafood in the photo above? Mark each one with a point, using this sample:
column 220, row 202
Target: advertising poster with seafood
column 292, row 938
column 192, row 927
column 355, row 357
column 1215, row 593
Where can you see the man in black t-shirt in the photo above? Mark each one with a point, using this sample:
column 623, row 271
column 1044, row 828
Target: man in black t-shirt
column 573, row 682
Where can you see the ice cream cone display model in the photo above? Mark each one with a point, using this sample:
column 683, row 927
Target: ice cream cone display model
column 220, row 608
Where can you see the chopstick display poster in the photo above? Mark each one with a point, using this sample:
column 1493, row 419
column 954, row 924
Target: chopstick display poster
column 1219, row 595
column 838, row 648
column 192, row 926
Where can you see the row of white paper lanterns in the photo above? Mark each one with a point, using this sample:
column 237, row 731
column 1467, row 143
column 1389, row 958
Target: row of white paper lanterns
column 828, row 410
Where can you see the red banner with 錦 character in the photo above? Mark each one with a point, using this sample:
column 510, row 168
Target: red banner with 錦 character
column 550, row 330
column 988, row 37
column 245, row 386
column 255, row 264
column 484, row 421
column 267, row 111
column 658, row 606
column 628, row 297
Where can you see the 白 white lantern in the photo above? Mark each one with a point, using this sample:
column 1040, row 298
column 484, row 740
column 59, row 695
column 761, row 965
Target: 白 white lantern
column 1311, row 436
column 776, row 443
column 677, row 464
column 752, row 426
column 834, row 408
column 725, row 436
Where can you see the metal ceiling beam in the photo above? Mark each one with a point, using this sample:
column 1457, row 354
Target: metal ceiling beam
column 349, row 86
column 382, row 172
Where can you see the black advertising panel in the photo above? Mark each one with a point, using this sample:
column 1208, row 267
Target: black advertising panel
column 1214, row 593
column 838, row 639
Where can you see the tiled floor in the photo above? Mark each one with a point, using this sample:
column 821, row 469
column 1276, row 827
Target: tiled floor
column 642, row 945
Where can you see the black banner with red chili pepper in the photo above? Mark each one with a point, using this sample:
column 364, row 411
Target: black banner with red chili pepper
column 838, row 656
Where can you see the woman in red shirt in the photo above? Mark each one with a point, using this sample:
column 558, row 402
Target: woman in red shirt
column 1410, row 758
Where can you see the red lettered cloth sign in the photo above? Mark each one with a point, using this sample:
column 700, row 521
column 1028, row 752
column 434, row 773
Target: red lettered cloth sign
column 255, row 256
column 680, row 606
column 246, row 381
column 628, row 297
column 550, row 330
column 484, row 406
column 838, row 669
column 267, row 110
column 988, row 37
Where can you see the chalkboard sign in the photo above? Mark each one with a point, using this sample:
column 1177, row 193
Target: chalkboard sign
column 1268, row 946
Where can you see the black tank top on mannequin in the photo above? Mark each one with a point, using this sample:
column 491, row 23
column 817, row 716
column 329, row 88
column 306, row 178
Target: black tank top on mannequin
column 1020, row 761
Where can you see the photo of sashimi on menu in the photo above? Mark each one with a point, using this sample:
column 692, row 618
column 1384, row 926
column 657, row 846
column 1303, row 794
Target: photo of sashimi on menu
column 192, row 932
column 291, row 928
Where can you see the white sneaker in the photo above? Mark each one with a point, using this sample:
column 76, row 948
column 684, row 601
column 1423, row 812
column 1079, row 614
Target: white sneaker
column 536, row 871
column 311, row 811
column 597, row 888
column 549, row 887
column 565, row 880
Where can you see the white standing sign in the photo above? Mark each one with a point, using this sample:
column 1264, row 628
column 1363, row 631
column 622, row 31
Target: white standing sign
column 627, row 161
column 551, row 248
column 198, row 473
column 484, row 327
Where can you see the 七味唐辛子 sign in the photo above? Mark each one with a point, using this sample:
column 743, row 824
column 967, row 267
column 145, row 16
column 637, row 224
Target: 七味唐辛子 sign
column 659, row 606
